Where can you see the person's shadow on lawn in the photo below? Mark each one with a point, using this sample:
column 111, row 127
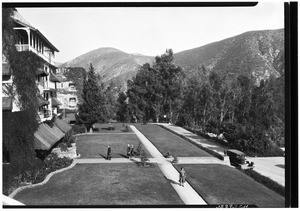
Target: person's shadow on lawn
column 103, row 156
column 172, row 181
column 122, row 155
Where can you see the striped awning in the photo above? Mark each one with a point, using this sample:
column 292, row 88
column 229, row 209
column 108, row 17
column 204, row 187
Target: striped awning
column 42, row 101
column 63, row 126
column 41, row 72
column 54, row 78
column 55, row 102
column 7, row 103
column 57, row 132
column 45, row 136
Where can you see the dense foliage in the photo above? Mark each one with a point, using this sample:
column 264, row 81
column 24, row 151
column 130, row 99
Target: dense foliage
column 250, row 116
column 154, row 92
column 99, row 103
column 19, row 127
column 122, row 106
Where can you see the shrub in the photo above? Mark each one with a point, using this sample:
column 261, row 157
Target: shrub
column 139, row 149
column 52, row 163
column 265, row 181
column 63, row 147
column 77, row 129
column 184, row 120
column 35, row 172
column 126, row 128
column 175, row 160
column 168, row 154
column 144, row 158
column 212, row 127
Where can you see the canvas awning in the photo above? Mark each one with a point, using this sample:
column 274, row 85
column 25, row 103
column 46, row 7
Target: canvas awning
column 7, row 103
column 45, row 136
column 54, row 78
column 63, row 126
column 41, row 101
column 55, row 102
column 6, row 69
column 41, row 72
column 57, row 132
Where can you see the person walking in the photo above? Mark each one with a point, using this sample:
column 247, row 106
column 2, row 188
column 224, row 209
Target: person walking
column 131, row 151
column 128, row 150
column 108, row 157
column 182, row 177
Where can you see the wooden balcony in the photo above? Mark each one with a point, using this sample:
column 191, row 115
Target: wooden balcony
column 46, row 55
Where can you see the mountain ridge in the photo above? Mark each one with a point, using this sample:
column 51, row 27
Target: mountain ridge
column 258, row 53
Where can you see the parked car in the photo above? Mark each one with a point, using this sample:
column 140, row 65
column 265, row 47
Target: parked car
column 238, row 159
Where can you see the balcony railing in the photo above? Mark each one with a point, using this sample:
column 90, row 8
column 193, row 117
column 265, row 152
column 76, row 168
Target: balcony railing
column 46, row 56
column 42, row 84
column 22, row 47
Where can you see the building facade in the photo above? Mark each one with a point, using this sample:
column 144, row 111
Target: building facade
column 31, row 39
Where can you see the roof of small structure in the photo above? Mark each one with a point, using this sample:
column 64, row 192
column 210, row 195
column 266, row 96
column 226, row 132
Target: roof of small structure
column 235, row 151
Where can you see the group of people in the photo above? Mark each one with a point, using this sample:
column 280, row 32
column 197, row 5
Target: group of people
column 130, row 151
column 130, row 154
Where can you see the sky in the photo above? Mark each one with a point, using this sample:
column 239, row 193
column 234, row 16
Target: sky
column 148, row 31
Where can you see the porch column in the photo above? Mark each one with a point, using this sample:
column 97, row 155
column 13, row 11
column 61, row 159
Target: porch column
column 28, row 35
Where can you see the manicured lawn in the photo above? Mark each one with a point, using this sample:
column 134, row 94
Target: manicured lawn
column 118, row 128
column 221, row 184
column 165, row 141
column 95, row 146
column 104, row 184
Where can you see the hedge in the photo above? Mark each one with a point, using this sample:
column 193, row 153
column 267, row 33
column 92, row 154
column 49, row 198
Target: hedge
column 265, row 181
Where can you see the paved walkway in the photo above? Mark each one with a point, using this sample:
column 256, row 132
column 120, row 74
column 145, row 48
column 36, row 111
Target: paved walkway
column 181, row 160
column 187, row 193
column 272, row 167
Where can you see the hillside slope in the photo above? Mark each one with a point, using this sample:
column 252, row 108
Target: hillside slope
column 256, row 53
column 109, row 62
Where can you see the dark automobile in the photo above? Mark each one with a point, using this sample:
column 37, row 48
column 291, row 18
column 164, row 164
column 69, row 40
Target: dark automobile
column 238, row 159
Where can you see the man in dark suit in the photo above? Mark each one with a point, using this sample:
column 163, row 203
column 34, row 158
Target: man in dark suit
column 108, row 157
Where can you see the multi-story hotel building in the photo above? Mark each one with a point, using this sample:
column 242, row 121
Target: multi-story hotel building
column 31, row 39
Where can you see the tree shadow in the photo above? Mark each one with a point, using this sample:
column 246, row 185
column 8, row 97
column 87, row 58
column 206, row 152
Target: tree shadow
column 172, row 181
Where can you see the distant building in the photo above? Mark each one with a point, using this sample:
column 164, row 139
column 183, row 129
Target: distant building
column 67, row 95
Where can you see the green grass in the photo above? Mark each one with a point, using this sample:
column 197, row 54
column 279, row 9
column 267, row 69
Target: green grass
column 165, row 141
column 95, row 146
column 104, row 184
column 118, row 128
column 221, row 184
column 265, row 181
